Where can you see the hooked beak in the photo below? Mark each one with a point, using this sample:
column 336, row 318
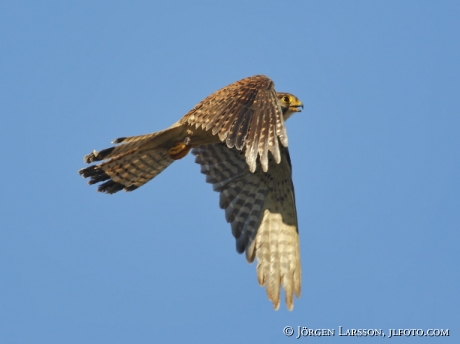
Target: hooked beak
column 295, row 106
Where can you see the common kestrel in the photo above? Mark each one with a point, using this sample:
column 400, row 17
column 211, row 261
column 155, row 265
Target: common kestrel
column 231, row 133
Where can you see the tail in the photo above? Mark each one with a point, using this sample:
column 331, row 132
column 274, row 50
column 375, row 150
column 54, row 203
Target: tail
column 132, row 163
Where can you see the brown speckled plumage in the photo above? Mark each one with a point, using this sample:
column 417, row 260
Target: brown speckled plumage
column 231, row 133
column 245, row 114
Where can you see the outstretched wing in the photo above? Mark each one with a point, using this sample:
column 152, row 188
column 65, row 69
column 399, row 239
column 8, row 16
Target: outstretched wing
column 261, row 209
column 245, row 115
column 127, row 171
column 132, row 163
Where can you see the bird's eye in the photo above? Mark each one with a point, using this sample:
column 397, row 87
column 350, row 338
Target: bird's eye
column 286, row 99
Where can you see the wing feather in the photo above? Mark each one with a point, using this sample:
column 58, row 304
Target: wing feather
column 128, row 171
column 260, row 207
column 245, row 115
column 132, row 163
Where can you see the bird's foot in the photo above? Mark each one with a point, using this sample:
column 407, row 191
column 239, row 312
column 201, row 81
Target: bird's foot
column 180, row 150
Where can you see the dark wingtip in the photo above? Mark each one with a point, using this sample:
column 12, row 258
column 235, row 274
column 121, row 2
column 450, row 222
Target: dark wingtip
column 98, row 156
column 87, row 171
column 131, row 188
column 118, row 140
column 95, row 174
column 90, row 157
column 110, row 187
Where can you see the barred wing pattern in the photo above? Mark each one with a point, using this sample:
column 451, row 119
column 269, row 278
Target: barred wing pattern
column 132, row 163
column 261, row 209
column 231, row 132
column 245, row 115
column 129, row 170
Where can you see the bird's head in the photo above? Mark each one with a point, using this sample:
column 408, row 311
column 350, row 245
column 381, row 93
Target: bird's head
column 289, row 104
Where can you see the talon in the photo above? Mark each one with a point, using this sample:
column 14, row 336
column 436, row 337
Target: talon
column 180, row 150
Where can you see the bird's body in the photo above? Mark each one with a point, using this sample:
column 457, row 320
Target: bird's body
column 231, row 132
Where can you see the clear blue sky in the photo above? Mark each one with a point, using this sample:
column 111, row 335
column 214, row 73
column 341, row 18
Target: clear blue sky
column 375, row 158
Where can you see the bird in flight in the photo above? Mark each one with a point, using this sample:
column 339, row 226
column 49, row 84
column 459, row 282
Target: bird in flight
column 238, row 137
